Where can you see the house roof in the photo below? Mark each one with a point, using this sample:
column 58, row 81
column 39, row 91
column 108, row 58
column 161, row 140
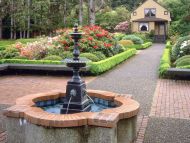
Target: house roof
column 146, row 1
column 149, row 19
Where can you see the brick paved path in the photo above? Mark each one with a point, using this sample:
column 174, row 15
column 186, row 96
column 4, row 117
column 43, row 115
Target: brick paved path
column 171, row 99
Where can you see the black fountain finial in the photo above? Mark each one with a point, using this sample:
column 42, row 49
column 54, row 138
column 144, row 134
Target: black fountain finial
column 76, row 97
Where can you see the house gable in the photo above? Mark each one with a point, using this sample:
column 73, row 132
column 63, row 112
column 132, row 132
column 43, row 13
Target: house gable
column 161, row 12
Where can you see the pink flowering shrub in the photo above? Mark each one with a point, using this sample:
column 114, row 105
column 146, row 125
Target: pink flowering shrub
column 122, row 26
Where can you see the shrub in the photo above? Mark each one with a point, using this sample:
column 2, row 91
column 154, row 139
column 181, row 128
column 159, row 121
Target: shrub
column 182, row 58
column 135, row 39
column 66, row 54
column 126, row 43
column 36, row 50
column 100, row 55
column 9, row 53
column 165, row 63
column 183, row 61
column 105, row 65
column 20, row 57
column 144, row 36
column 21, row 61
column 181, row 48
column 90, row 56
column 53, row 58
column 122, row 26
column 146, row 45
column 169, row 44
column 119, row 36
column 137, row 47
column 184, row 67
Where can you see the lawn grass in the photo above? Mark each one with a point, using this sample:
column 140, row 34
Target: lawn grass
column 6, row 43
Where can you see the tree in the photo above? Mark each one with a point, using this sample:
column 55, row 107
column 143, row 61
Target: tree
column 4, row 7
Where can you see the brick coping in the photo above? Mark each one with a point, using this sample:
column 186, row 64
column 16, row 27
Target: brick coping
column 26, row 108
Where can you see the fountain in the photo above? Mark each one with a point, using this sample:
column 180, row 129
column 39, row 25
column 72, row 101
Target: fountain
column 75, row 116
column 76, row 99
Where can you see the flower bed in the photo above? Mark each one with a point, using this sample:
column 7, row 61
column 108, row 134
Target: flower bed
column 176, row 59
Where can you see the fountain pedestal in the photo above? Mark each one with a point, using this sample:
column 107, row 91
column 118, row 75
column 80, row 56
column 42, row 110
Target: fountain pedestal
column 76, row 99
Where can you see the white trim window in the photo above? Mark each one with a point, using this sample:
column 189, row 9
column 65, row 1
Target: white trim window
column 143, row 26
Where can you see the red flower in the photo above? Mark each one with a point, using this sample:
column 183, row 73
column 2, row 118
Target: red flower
column 95, row 47
column 107, row 45
column 90, row 38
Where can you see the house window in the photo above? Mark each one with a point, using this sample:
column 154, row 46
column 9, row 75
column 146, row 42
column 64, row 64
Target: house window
column 143, row 26
column 165, row 12
column 134, row 13
column 150, row 12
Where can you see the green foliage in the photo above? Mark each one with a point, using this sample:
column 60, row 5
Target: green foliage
column 169, row 45
column 165, row 63
column 146, row 37
column 109, row 18
column 90, row 56
column 100, row 55
column 183, row 61
column 137, row 47
column 135, row 39
column 53, row 58
column 21, row 61
column 105, row 65
column 180, row 16
column 146, row 45
column 182, row 58
column 119, row 36
column 21, row 57
column 181, row 48
column 9, row 53
column 184, row 67
column 25, row 41
column 126, row 43
column 67, row 54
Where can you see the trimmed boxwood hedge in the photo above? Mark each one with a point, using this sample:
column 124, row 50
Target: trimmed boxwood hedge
column 146, row 45
column 165, row 63
column 169, row 44
column 95, row 67
column 21, row 61
column 141, row 47
column 105, row 65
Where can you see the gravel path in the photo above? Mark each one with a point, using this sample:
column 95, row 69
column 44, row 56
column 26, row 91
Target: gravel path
column 167, row 130
column 137, row 76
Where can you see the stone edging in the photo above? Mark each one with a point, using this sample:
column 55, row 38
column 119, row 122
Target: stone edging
column 176, row 72
column 25, row 108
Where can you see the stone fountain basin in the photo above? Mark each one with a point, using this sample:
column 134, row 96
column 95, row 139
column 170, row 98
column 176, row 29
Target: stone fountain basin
column 116, row 125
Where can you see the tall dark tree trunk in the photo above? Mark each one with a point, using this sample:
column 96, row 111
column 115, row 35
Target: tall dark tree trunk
column 1, row 28
column 81, row 12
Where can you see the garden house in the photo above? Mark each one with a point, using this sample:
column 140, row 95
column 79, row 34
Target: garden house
column 151, row 17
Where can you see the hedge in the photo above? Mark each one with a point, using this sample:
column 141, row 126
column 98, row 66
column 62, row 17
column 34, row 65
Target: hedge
column 21, row 61
column 140, row 47
column 105, row 65
column 165, row 63
column 135, row 47
column 146, row 45
column 169, row 45
column 184, row 67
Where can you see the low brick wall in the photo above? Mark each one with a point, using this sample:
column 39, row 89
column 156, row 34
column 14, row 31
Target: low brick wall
column 26, row 123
